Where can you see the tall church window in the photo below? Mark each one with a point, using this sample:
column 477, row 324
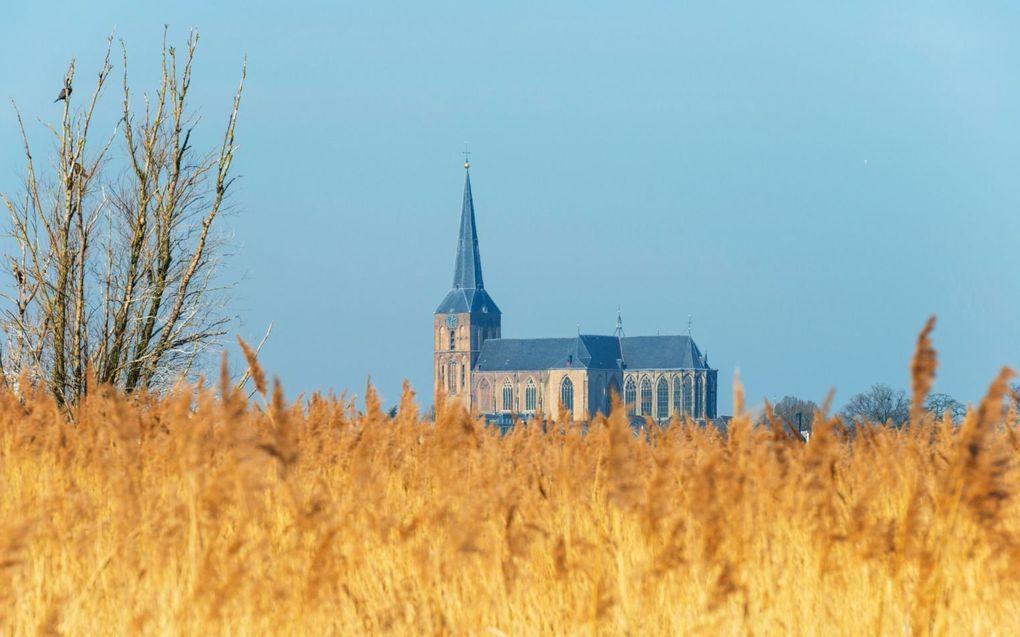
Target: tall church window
column 678, row 396
column 530, row 396
column 646, row 397
column 462, row 366
column 484, row 396
column 699, row 396
column 453, row 339
column 688, row 397
column 567, row 394
column 710, row 403
column 630, row 396
column 662, row 399
column 508, row 396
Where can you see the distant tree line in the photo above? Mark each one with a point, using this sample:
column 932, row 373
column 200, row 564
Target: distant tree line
column 879, row 404
column 883, row 404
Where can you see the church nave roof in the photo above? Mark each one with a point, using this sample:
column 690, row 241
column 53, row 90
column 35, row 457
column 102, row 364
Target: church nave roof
column 662, row 352
column 533, row 354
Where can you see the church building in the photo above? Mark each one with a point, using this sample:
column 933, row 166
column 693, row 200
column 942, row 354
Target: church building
column 656, row 376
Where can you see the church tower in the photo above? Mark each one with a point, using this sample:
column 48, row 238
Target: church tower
column 467, row 316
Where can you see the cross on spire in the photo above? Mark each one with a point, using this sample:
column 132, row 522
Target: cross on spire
column 467, row 163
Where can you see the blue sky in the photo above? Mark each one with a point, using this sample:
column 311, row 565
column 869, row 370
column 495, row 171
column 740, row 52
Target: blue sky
column 808, row 180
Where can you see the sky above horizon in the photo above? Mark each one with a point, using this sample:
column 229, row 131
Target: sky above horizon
column 808, row 181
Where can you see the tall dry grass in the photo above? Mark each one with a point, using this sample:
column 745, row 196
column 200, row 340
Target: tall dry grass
column 202, row 512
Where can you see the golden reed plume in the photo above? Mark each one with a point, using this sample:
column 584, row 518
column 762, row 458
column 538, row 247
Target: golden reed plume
column 201, row 512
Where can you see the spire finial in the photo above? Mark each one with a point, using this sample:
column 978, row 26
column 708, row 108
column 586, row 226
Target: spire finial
column 467, row 164
column 619, row 323
column 690, row 324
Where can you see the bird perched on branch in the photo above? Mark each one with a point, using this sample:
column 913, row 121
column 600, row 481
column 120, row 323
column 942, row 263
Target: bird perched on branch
column 64, row 93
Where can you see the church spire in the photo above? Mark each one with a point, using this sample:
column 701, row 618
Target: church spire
column 468, row 268
column 468, row 293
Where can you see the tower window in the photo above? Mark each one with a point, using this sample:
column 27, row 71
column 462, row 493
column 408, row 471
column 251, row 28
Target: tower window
column 453, row 339
column 567, row 394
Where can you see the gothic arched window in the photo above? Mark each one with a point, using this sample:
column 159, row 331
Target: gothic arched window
column 508, row 395
column 699, row 396
column 567, row 394
column 711, row 390
column 530, row 396
column 453, row 339
column 646, row 397
column 662, row 399
column 630, row 396
column 484, row 396
column 678, row 396
column 688, row 397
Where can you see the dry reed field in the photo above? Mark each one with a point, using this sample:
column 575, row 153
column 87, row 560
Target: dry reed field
column 202, row 512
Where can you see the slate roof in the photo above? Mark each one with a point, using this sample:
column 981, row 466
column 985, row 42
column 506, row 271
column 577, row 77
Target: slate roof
column 530, row 354
column 591, row 352
column 467, row 271
column 460, row 300
column 662, row 352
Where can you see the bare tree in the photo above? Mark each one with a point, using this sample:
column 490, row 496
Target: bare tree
column 880, row 404
column 116, row 255
column 798, row 414
column 938, row 404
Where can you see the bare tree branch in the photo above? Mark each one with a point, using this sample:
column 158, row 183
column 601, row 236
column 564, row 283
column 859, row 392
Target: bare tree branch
column 115, row 258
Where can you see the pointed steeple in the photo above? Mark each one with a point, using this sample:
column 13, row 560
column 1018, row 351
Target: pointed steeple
column 467, row 273
column 468, row 293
